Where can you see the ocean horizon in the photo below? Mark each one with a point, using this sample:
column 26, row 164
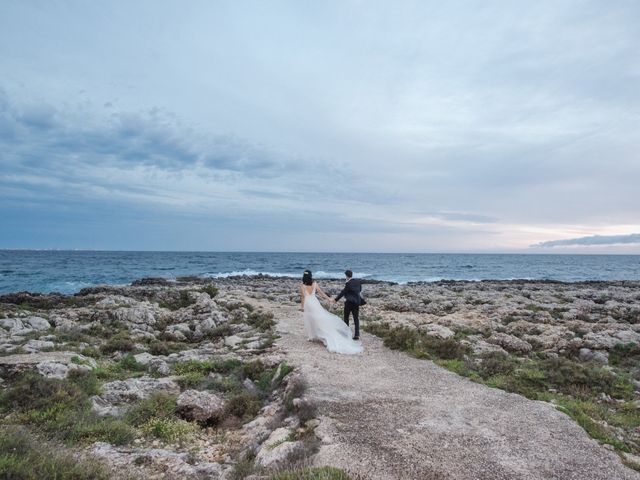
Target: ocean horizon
column 68, row 271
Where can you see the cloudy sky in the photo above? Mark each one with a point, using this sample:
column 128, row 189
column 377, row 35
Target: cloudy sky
column 421, row 126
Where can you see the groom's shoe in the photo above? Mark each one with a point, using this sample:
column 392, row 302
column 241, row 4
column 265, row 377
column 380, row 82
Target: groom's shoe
column 356, row 338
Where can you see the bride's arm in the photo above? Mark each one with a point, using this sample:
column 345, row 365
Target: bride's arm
column 324, row 295
column 301, row 298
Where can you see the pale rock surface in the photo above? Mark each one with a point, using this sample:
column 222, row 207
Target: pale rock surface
column 510, row 343
column 277, row 449
column 45, row 363
column 200, row 405
column 116, row 396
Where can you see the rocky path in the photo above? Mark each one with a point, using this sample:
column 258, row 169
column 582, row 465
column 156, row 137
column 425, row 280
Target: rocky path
column 390, row 416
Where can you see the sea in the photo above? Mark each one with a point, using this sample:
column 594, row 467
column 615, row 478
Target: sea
column 69, row 271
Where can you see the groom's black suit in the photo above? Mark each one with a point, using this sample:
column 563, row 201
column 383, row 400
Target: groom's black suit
column 351, row 294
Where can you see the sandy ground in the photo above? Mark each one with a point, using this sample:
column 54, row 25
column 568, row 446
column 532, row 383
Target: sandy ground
column 390, row 416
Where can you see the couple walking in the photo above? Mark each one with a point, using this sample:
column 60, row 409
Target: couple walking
column 325, row 326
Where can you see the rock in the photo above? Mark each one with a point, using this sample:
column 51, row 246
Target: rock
column 179, row 332
column 600, row 340
column 627, row 336
column 118, row 394
column 171, row 464
column 44, row 363
column 53, row 370
column 159, row 366
column 233, row 340
column 144, row 358
column 205, row 326
column 438, row 331
column 510, row 343
column 311, row 424
column 586, row 355
column 277, row 449
column 141, row 316
column 481, row 347
column 37, row 323
column 200, row 406
column 250, row 386
column 258, row 430
column 33, row 346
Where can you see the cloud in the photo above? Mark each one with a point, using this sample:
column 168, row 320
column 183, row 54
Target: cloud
column 436, row 127
column 633, row 238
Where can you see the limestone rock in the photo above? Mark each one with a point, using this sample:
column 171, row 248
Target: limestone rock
column 438, row 331
column 118, row 394
column 233, row 340
column 277, row 449
column 586, row 354
column 33, row 346
column 200, row 406
column 510, row 343
column 45, row 363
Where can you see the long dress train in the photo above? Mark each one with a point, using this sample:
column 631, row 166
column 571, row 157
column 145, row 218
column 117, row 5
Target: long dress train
column 327, row 327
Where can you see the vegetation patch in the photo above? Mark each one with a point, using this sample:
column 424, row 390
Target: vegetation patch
column 169, row 429
column 120, row 342
column 61, row 409
column 418, row 344
column 178, row 301
column 210, row 290
column 22, row 456
column 262, row 321
column 323, row 473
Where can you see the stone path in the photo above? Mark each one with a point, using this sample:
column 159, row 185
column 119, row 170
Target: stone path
column 390, row 416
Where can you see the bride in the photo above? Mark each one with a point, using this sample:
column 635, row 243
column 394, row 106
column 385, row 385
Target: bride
column 322, row 325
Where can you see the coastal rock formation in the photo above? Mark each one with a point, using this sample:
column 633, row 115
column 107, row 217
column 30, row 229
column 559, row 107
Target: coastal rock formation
column 200, row 406
column 167, row 379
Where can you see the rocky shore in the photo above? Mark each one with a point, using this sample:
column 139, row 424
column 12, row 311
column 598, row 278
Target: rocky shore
column 182, row 379
column 153, row 380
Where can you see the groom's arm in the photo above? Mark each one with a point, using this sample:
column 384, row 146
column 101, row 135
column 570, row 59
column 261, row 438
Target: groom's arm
column 341, row 294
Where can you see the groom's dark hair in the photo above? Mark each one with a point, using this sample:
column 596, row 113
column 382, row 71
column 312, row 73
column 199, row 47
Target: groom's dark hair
column 348, row 273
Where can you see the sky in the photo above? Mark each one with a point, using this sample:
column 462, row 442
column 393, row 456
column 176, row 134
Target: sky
column 426, row 126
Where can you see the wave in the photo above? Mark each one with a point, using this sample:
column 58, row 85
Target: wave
column 252, row 273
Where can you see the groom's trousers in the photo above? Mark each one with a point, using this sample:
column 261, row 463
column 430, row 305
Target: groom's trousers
column 352, row 309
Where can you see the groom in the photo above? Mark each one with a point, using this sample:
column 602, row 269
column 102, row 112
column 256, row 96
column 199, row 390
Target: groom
column 351, row 293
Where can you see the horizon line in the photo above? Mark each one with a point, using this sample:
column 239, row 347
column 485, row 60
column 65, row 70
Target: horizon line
column 311, row 252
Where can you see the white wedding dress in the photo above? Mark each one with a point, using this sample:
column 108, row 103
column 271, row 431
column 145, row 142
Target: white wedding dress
column 327, row 327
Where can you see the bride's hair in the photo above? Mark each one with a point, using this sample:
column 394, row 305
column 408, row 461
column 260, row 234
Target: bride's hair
column 307, row 278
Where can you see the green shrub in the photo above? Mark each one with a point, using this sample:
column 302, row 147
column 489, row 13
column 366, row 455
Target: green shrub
column 168, row 429
column 243, row 405
column 211, row 290
column 496, row 364
column 102, row 429
column 129, row 362
column 91, row 352
column 417, row 343
column 159, row 405
column 24, row 457
column 61, row 408
column 262, row 321
column 254, row 369
column 163, row 347
column 183, row 300
column 323, row 473
column 221, row 331
column 194, row 366
column 192, row 380
column 86, row 380
column 625, row 355
column 34, row 392
column 120, row 342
